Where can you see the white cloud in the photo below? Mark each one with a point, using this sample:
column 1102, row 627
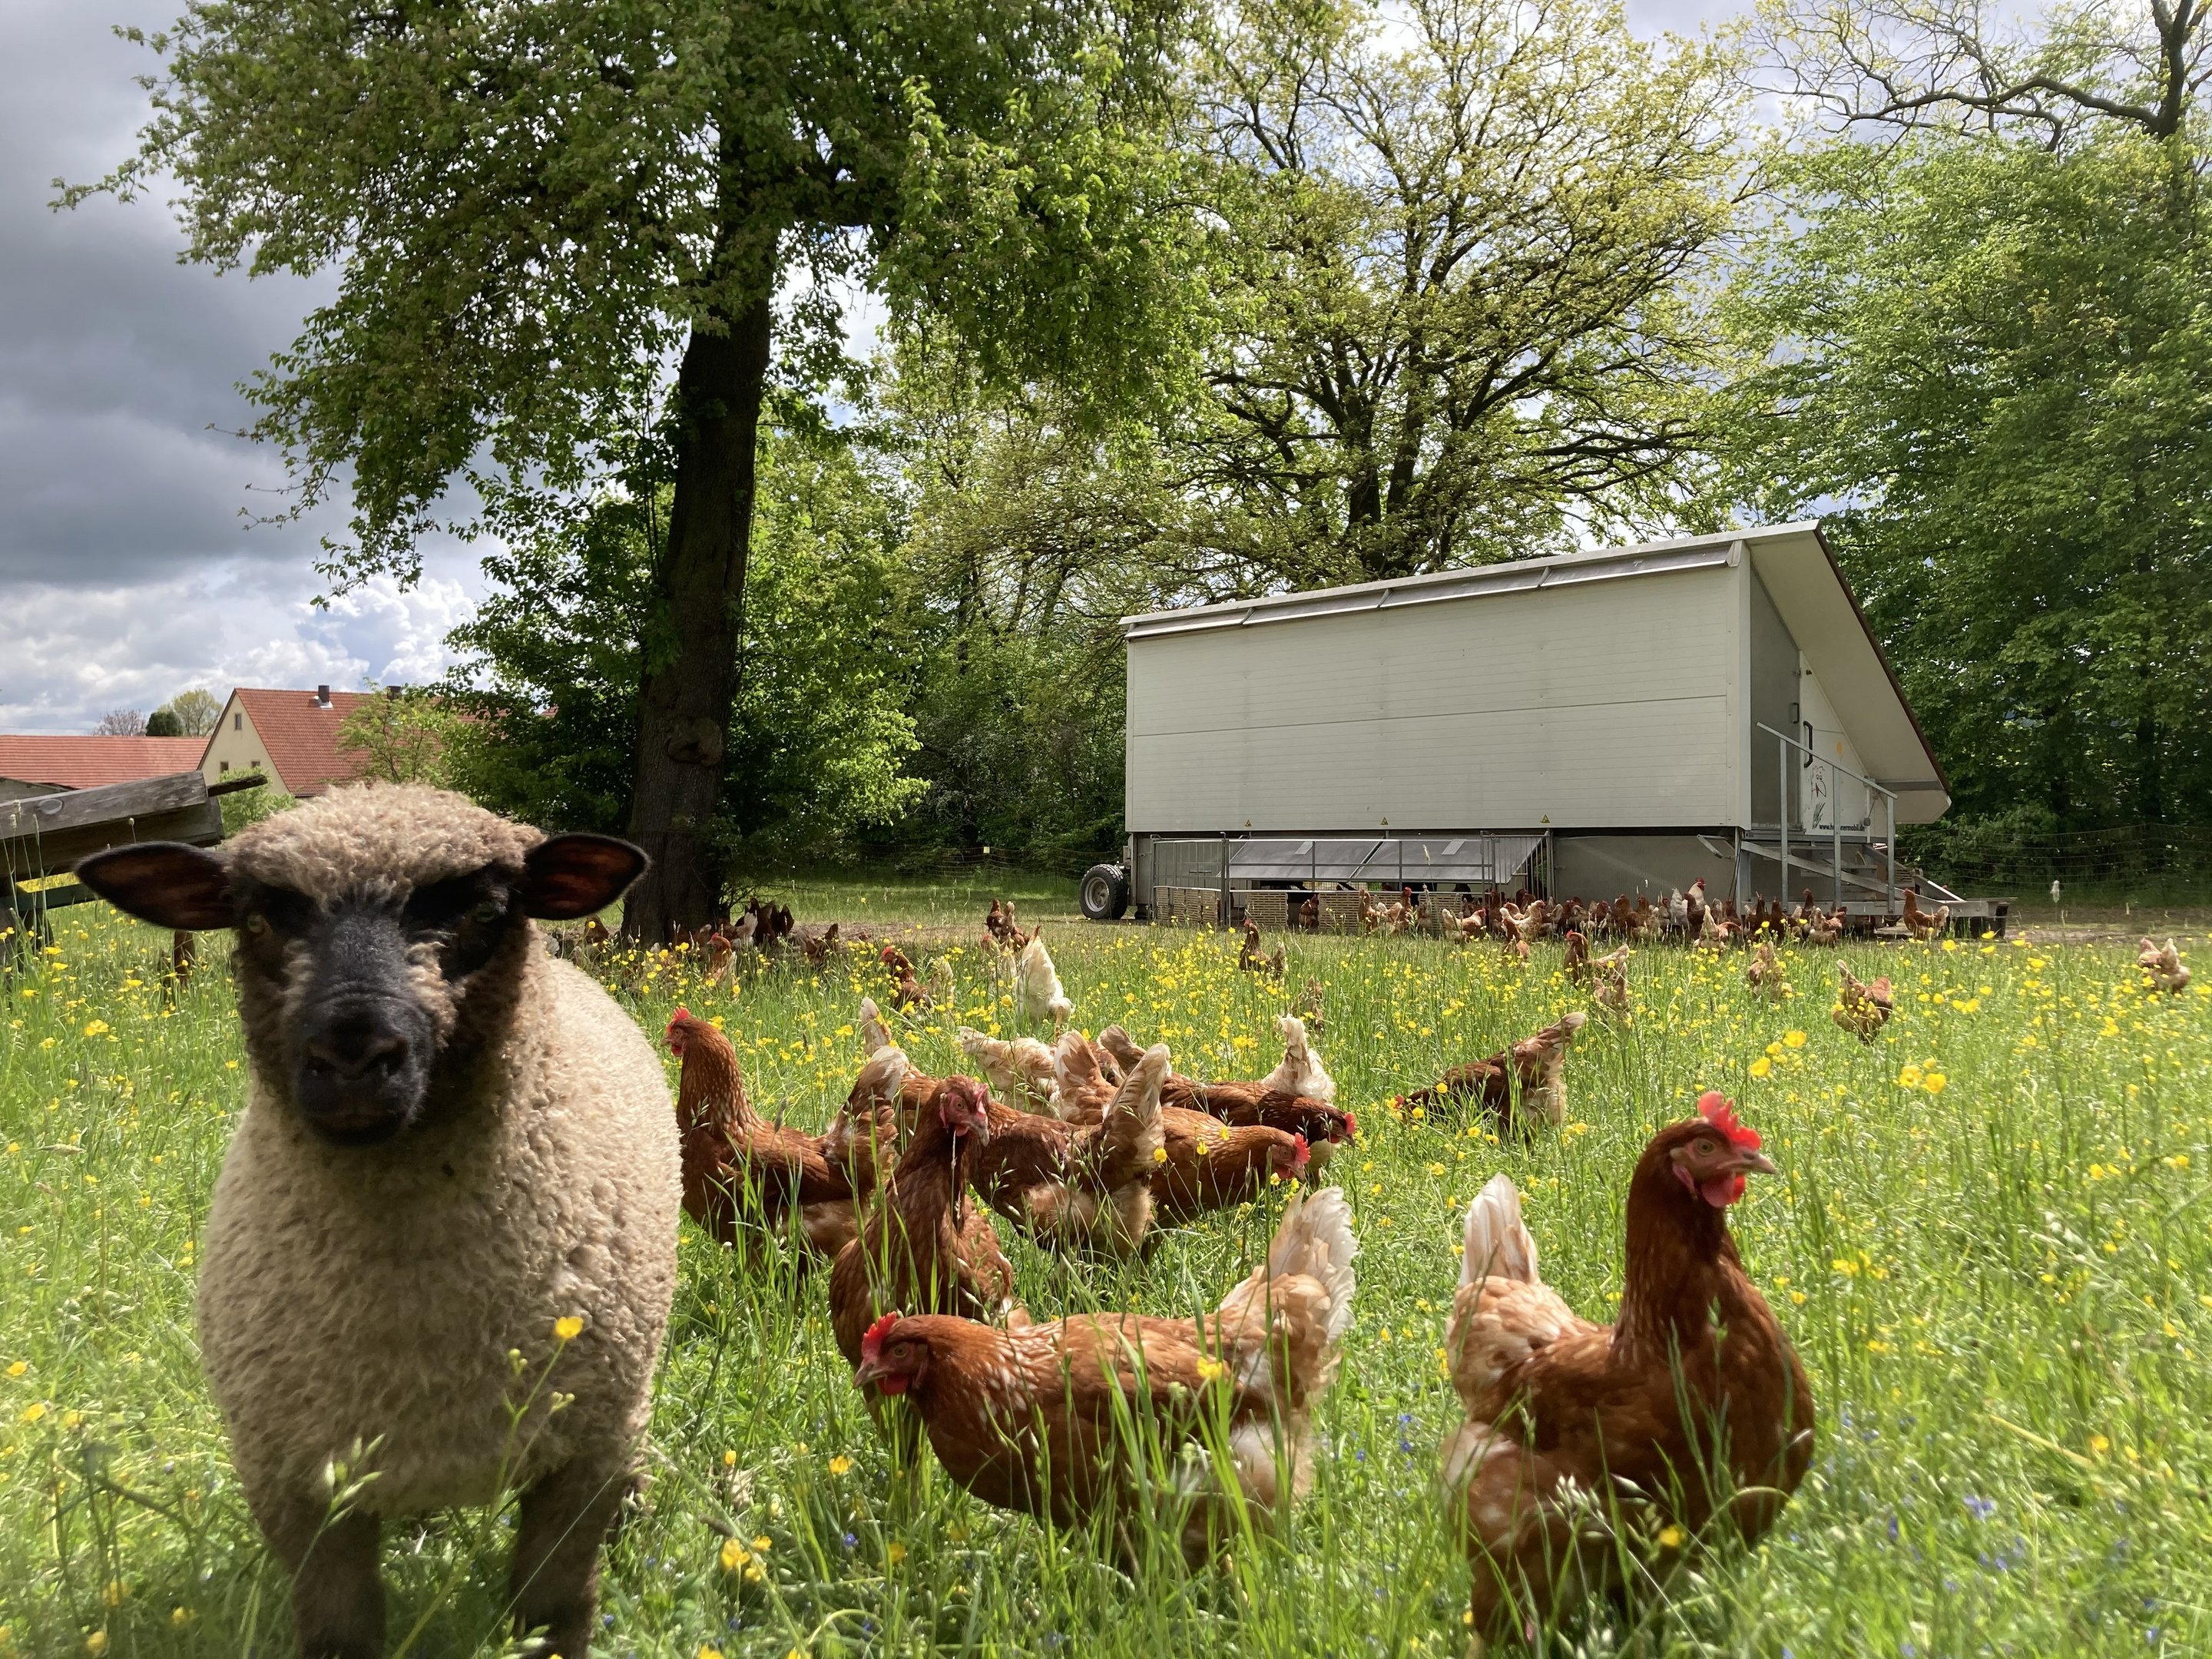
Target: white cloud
column 89, row 650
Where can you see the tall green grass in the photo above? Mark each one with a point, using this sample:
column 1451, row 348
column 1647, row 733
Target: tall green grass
column 2000, row 1282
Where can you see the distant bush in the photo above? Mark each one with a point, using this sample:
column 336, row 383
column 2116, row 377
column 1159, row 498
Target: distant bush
column 246, row 806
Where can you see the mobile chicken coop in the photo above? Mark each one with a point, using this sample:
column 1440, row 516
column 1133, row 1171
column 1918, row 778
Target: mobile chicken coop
column 1623, row 720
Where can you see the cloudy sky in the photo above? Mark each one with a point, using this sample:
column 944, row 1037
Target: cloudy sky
column 127, row 570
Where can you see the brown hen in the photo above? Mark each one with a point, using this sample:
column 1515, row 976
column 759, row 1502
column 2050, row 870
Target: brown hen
column 745, row 1179
column 1036, row 1418
column 1693, row 1406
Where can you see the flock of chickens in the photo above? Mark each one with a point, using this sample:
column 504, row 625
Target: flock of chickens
column 1690, row 1410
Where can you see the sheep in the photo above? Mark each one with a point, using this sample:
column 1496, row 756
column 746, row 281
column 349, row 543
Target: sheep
column 442, row 1250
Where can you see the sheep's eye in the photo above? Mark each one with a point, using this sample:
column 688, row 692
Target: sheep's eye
column 486, row 913
column 256, row 923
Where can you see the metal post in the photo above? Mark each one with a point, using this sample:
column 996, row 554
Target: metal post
column 1781, row 770
column 1228, row 916
column 1889, row 884
column 1836, row 827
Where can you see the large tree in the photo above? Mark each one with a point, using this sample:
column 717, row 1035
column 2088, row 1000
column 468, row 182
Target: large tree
column 556, row 223
column 1456, row 318
column 1989, row 363
column 554, row 659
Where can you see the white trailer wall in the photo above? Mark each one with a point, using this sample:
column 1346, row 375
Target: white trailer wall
column 1600, row 704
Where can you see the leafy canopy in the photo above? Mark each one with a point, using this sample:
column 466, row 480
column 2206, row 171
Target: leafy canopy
column 1995, row 358
column 530, row 206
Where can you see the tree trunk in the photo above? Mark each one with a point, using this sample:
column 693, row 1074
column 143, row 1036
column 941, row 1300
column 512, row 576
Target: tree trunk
column 690, row 670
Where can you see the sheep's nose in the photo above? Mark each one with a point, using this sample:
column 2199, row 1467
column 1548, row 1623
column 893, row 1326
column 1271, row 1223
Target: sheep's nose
column 356, row 1046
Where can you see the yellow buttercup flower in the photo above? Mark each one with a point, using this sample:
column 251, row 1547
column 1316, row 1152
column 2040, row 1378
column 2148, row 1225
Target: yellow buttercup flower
column 1793, row 1039
column 1672, row 1537
column 568, row 1327
column 733, row 1555
column 840, row 1466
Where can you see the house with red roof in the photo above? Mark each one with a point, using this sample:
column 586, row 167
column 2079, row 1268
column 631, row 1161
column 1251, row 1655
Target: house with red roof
column 289, row 736
column 45, row 765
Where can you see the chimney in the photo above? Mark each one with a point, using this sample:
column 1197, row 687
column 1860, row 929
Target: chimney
column 322, row 696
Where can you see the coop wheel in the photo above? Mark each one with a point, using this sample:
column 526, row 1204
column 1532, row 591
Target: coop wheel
column 1105, row 892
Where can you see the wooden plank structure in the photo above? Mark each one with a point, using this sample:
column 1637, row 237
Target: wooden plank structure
column 46, row 835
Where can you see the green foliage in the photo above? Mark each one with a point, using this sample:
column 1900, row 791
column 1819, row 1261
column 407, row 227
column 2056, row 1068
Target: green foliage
column 818, row 737
column 196, row 712
column 1030, row 533
column 164, row 723
column 530, row 207
column 406, row 735
column 1455, row 318
column 1993, row 358
column 242, row 807
column 1997, row 1289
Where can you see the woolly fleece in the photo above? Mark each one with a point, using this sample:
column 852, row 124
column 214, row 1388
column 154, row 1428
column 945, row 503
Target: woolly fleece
column 368, row 1296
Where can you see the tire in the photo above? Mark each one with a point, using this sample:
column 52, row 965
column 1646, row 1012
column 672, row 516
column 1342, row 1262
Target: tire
column 1105, row 892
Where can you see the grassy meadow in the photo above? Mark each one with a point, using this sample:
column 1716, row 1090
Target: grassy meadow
column 1991, row 1243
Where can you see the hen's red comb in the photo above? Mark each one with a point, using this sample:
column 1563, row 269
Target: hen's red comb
column 681, row 1013
column 871, row 1340
column 1719, row 1111
column 1300, row 1152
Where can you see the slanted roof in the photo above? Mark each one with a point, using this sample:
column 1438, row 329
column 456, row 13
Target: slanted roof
column 301, row 734
column 1799, row 571
column 87, row 763
column 1794, row 562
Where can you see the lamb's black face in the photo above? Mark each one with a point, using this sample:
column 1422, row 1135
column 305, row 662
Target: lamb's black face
column 354, row 1001
column 366, row 981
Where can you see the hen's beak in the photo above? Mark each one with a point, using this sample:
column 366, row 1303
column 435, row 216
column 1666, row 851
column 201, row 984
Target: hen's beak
column 868, row 1372
column 1756, row 1163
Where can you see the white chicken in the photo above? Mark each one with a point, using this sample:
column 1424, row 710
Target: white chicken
column 1019, row 1069
column 1038, row 993
column 1300, row 1071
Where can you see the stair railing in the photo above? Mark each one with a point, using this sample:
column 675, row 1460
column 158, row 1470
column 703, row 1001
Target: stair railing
column 1835, row 818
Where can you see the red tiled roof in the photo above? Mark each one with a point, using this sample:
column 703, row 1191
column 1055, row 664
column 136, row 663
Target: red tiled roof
column 87, row 762
column 302, row 736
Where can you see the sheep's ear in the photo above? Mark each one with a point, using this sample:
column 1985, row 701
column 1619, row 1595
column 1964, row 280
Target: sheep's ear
column 164, row 882
column 570, row 877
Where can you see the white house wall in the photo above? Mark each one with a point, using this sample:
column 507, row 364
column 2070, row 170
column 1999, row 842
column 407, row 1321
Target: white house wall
column 1613, row 704
column 235, row 747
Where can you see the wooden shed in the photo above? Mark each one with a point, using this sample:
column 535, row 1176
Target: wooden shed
column 1619, row 719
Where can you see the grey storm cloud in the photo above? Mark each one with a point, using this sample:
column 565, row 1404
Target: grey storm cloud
column 118, row 364
column 129, row 567
column 127, row 570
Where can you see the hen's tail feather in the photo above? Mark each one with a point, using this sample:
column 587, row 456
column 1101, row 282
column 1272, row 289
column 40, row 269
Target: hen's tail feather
column 1119, row 1044
column 874, row 1034
column 881, row 1077
column 1497, row 1244
column 1131, row 1128
column 1280, row 1331
column 1315, row 1242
